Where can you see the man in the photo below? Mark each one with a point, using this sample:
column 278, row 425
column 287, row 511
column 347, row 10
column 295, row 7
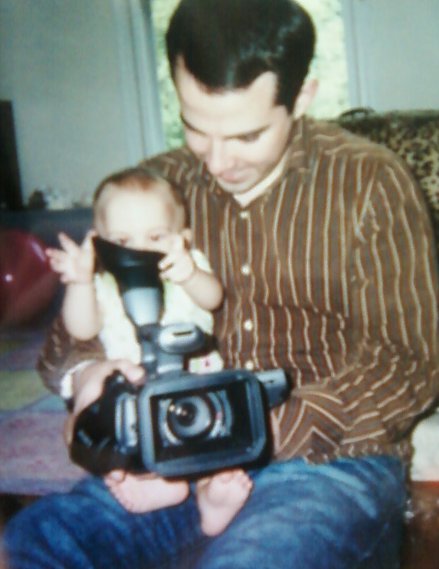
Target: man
column 324, row 247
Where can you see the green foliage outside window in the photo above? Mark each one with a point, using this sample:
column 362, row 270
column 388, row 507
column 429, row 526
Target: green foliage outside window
column 161, row 13
column 329, row 65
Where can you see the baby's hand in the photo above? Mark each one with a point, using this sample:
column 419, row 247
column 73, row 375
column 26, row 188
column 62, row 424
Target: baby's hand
column 75, row 263
column 178, row 266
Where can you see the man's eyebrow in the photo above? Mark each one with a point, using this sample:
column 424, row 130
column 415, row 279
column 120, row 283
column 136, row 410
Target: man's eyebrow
column 237, row 135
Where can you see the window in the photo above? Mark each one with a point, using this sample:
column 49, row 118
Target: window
column 329, row 65
column 161, row 13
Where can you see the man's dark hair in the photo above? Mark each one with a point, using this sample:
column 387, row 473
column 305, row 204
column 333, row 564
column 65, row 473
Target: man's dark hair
column 227, row 44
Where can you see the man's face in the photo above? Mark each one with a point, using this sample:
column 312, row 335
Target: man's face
column 240, row 135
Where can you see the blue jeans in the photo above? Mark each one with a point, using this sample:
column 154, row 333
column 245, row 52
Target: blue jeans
column 347, row 514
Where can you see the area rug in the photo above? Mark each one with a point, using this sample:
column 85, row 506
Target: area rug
column 33, row 457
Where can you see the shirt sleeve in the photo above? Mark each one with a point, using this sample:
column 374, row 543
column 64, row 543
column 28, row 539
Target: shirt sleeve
column 392, row 374
column 61, row 353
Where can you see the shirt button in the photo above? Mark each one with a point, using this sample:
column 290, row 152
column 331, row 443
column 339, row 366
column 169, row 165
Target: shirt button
column 249, row 365
column 248, row 325
column 245, row 270
column 244, row 215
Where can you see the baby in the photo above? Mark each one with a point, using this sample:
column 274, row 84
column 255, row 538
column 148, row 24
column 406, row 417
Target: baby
column 136, row 208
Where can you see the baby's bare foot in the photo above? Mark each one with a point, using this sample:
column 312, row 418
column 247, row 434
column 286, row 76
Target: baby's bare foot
column 220, row 498
column 144, row 493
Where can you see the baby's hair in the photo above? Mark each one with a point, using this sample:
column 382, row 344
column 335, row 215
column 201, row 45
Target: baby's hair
column 137, row 178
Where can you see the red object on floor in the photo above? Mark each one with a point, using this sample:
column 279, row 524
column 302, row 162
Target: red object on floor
column 27, row 283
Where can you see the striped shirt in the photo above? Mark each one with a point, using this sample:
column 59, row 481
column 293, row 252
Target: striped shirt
column 330, row 275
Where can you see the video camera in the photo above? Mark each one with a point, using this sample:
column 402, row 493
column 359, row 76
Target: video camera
column 177, row 423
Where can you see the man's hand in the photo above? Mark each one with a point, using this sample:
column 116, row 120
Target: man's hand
column 88, row 384
column 275, row 431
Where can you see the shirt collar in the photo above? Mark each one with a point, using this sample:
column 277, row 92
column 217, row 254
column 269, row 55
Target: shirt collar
column 297, row 156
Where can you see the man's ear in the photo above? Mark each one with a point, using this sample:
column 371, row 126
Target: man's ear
column 305, row 97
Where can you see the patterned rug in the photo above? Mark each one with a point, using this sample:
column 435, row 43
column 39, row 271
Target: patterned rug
column 33, row 457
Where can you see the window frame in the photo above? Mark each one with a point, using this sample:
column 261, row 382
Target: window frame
column 144, row 130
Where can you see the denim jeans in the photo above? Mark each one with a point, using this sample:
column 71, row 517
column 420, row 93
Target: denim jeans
column 346, row 514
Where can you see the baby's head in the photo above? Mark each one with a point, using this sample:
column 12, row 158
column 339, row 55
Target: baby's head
column 139, row 209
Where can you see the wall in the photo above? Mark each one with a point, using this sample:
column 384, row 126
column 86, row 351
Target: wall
column 78, row 93
column 392, row 48
column 59, row 65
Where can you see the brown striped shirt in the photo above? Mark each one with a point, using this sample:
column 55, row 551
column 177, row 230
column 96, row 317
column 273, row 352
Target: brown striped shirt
column 330, row 275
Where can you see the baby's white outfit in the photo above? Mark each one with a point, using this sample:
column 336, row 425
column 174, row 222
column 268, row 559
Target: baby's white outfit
column 118, row 335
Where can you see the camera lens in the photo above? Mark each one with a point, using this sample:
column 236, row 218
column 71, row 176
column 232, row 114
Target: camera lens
column 194, row 417
column 190, row 417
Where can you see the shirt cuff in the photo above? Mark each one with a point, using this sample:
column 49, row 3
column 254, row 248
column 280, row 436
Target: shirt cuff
column 66, row 384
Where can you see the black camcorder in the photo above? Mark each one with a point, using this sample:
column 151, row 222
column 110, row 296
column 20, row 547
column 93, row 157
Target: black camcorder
column 177, row 424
